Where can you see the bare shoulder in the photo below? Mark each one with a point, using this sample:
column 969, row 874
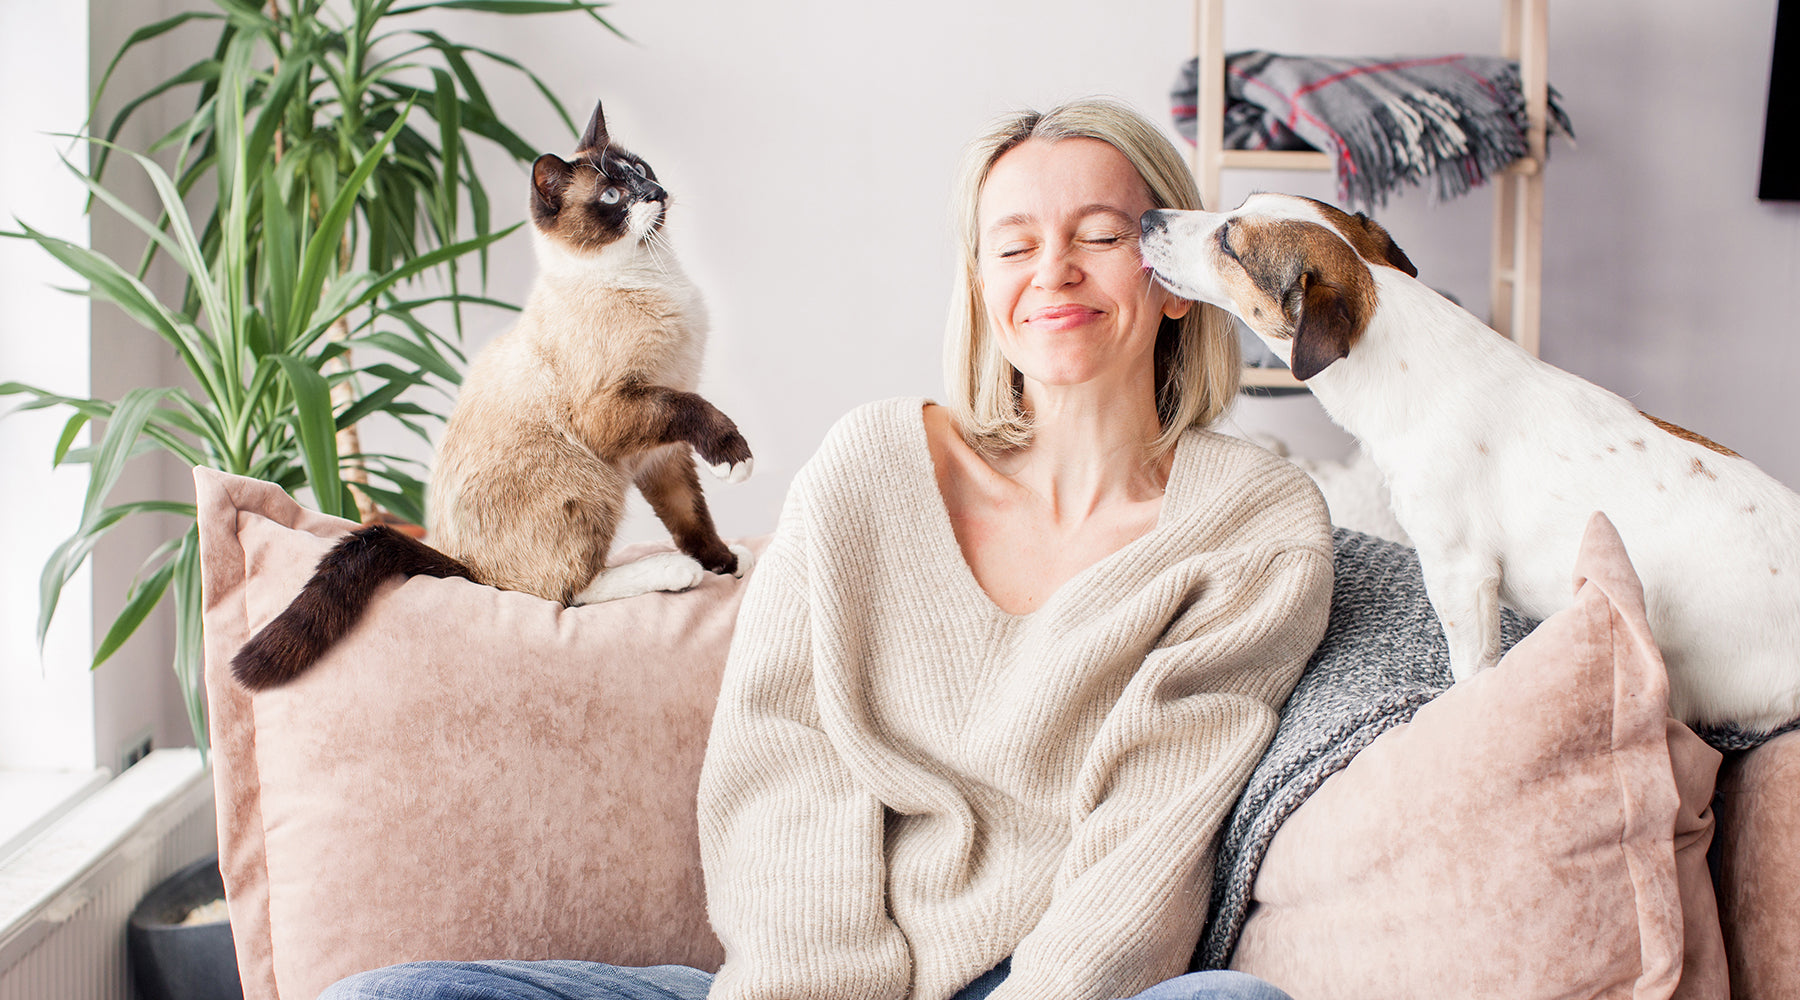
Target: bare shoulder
column 963, row 476
column 948, row 449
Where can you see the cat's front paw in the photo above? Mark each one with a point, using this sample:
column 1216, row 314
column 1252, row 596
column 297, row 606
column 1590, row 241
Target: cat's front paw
column 745, row 559
column 733, row 472
column 726, row 456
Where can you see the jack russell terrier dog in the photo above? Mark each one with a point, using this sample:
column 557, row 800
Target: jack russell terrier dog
column 1496, row 460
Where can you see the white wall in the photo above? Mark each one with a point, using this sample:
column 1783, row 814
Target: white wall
column 810, row 145
column 135, row 690
column 45, row 701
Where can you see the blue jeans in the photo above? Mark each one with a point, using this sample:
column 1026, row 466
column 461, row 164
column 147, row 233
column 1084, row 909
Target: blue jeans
column 593, row 981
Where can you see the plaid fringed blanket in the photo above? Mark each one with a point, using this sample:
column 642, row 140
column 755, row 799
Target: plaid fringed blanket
column 1445, row 123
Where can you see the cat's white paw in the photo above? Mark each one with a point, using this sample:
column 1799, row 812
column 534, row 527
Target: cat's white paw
column 733, row 472
column 666, row 571
column 745, row 558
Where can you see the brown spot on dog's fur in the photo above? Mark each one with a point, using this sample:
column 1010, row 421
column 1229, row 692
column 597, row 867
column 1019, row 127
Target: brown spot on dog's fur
column 1638, row 444
column 1481, row 446
column 1750, row 509
column 1699, row 469
column 1687, row 435
column 1371, row 241
column 1316, row 281
column 1610, row 450
column 1405, row 367
column 1660, row 488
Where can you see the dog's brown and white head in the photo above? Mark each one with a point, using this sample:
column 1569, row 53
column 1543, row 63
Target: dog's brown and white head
column 1295, row 270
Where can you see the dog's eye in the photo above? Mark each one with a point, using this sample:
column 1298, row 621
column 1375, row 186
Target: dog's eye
column 610, row 196
column 1225, row 242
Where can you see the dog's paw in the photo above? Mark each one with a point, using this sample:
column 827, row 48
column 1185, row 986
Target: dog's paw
column 1463, row 668
column 745, row 560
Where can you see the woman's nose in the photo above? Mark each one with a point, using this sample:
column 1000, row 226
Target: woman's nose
column 1056, row 269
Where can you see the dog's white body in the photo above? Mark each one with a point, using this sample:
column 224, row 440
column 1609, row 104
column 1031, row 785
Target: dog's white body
column 1496, row 460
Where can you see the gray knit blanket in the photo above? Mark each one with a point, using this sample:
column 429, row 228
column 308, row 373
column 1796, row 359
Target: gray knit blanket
column 1383, row 656
column 1446, row 123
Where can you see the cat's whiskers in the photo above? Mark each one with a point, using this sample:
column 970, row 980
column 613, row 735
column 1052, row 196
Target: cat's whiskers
column 658, row 245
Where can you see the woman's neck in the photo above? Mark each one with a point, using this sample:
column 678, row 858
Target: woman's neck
column 1090, row 449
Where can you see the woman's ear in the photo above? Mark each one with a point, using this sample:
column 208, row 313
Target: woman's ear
column 1176, row 306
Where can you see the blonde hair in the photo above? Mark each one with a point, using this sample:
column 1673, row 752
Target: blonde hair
column 1197, row 356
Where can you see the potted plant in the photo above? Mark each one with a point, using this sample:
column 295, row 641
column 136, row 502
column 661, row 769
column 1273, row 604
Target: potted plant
column 332, row 196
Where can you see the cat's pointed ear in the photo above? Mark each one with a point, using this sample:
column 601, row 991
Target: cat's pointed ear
column 549, row 179
column 595, row 136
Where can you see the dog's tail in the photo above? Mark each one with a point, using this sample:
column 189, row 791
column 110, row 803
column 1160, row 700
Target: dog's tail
column 333, row 600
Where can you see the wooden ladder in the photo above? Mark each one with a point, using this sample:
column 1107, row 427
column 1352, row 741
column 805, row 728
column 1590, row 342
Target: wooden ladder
column 1516, row 273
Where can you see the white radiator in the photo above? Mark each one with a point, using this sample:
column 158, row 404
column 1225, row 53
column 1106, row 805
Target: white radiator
column 65, row 898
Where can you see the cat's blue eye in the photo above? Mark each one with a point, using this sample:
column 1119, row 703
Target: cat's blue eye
column 610, row 196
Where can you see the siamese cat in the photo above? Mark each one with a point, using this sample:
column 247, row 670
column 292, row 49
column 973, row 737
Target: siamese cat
column 589, row 393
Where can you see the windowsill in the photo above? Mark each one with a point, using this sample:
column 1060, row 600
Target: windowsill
column 97, row 830
column 36, row 799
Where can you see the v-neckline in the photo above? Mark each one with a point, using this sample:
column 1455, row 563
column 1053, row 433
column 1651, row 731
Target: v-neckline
column 949, row 552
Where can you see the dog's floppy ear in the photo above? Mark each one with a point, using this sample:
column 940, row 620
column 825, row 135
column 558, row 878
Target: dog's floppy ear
column 1329, row 320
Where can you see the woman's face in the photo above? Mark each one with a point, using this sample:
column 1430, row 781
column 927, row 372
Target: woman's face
column 1066, row 294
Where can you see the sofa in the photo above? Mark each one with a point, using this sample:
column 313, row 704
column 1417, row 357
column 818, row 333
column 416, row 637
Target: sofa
column 480, row 774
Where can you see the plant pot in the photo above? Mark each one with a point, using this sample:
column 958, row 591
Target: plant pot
column 170, row 961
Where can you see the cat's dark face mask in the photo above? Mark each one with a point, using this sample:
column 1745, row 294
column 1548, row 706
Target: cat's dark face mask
column 594, row 200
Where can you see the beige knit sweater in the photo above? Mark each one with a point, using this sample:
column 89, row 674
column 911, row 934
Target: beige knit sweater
column 906, row 784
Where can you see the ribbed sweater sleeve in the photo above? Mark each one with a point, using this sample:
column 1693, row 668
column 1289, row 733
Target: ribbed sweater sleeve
column 1158, row 781
column 790, row 842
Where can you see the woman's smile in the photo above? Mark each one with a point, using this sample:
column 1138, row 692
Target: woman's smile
column 1062, row 317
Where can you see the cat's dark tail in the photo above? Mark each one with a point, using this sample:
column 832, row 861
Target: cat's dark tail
column 333, row 600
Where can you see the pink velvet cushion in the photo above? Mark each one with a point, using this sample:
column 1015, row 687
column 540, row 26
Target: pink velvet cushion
column 1539, row 830
column 470, row 774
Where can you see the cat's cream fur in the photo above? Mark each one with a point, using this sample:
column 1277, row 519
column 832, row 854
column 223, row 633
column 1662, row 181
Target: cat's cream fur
column 589, row 394
column 531, row 477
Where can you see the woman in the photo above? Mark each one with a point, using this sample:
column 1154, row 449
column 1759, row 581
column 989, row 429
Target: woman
column 1008, row 661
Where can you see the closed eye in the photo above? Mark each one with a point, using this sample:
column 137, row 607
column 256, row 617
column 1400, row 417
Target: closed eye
column 1225, row 242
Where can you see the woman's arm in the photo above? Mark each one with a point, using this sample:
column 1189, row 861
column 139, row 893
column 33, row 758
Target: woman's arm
column 1158, row 782
column 792, row 844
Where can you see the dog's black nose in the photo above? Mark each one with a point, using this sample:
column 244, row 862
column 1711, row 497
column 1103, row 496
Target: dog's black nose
column 1154, row 221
